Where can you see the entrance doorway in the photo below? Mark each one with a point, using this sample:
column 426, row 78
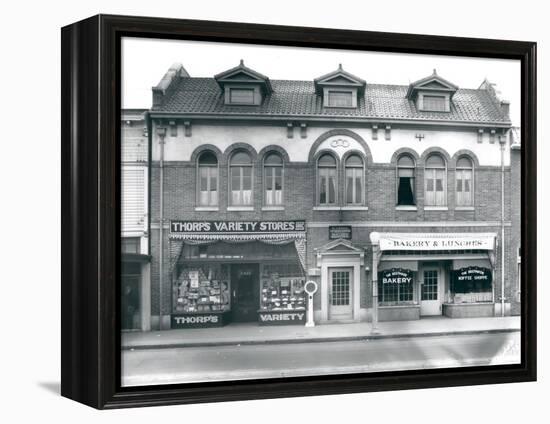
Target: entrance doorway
column 340, row 293
column 430, row 292
column 245, row 288
column 130, row 297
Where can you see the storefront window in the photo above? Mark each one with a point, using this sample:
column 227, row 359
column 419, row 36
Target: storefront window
column 273, row 179
column 472, row 285
column 405, row 181
column 208, row 179
column 327, row 179
column 202, row 288
column 354, row 180
column 464, row 178
column 241, row 179
column 282, row 287
column 435, row 181
column 395, row 287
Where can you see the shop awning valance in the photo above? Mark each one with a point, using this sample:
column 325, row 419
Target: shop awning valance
column 465, row 263
column 387, row 264
column 434, row 241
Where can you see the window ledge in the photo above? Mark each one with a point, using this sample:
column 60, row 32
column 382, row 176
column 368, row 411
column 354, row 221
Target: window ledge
column 436, row 208
column 406, row 208
column 326, row 208
column 207, row 208
column 240, row 208
column 355, row 208
column 273, row 208
column 465, row 208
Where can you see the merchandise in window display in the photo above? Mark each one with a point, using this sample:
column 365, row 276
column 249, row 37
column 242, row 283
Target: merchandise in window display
column 282, row 293
column 199, row 290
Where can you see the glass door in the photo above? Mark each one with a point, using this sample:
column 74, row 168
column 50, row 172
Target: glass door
column 340, row 293
column 430, row 302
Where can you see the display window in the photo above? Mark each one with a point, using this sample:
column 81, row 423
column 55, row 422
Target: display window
column 200, row 289
column 282, row 288
column 471, row 285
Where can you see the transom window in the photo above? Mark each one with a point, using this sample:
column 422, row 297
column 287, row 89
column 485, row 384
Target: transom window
column 406, row 195
column 242, row 96
column 435, row 176
column 464, row 181
column 354, row 180
column 340, row 98
column 240, row 182
column 326, row 170
column 434, row 103
column 273, row 179
column 208, row 179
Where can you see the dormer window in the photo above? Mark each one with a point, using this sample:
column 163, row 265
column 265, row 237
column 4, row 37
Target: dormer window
column 243, row 86
column 340, row 89
column 241, row 96
column 341, row 98
column 434, row 103
column 432, row 94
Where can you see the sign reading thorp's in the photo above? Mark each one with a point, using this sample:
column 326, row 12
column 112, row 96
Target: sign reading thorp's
column 235, row 227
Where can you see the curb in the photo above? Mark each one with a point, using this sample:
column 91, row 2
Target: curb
column 316, row 339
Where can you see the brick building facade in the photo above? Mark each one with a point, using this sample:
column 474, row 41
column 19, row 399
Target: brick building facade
column 398, row 201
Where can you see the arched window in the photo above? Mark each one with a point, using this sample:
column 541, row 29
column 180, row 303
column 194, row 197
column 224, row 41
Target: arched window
column 240, row 181
column 326, row 176
column 354, row 180
column 406, row 193
column 273, row 180
column 208, row 179
column 464, row 181
column 435, row 177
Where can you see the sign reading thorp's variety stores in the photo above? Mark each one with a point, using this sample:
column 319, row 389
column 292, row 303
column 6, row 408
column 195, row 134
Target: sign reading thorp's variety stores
column 236, row 227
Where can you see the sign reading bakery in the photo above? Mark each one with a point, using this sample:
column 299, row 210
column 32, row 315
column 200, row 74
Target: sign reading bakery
column 396, row 276
column 457, row 241
column 235, row 227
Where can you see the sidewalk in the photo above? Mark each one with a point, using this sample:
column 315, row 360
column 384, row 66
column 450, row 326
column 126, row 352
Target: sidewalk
column 252, row 333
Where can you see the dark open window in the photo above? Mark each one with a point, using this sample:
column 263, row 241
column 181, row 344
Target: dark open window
column 406, row 181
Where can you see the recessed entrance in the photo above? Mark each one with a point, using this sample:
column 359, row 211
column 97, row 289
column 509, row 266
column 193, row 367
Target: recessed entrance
column 245, row 292
column 340, row 293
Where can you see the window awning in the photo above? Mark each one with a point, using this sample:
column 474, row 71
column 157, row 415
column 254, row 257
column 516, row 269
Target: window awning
column 434, row 241
column 465, row 263
column 387, row 263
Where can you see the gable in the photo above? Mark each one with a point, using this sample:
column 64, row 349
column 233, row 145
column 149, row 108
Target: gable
column 339, row 79
column 434, row 85
column 240, row 76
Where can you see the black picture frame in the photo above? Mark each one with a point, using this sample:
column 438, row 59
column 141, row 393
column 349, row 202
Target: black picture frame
column 91, row 78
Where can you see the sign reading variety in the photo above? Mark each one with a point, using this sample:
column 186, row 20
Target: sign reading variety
column 437, row 242
column 236, row 227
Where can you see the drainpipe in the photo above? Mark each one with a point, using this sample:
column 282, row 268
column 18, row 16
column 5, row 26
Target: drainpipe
column 161, row 132
column 375, row 240
column 502, row 140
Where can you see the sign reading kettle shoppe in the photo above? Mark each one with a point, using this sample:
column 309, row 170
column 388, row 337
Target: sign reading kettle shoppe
column 396, row 276
column 235, row 227
column 473, row 274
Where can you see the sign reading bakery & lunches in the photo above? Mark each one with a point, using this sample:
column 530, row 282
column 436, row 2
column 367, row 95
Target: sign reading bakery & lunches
column 236, row 227
column 455, row 241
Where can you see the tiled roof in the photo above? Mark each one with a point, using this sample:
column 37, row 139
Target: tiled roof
column 298, row 98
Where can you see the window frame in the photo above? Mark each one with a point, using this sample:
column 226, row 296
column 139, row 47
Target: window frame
column 230, row 179
column 446, row 102
column 444, row 182
column 318, row 179
column 363, row 187
column 198, row 185
column 264, row 178
column 414, row 191
column 247, row 89
column 471, row 168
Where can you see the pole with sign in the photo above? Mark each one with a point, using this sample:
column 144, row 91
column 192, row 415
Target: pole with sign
column 310, row 288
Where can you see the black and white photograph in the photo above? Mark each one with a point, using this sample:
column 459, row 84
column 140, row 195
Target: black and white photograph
column 295, row 211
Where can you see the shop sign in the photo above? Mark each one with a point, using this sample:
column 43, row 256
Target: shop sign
column 397, row 276
column 473, row 274
column 339, row 232
column 281, row 317
column 437, row 242
column 197, row 320
column 235, row 227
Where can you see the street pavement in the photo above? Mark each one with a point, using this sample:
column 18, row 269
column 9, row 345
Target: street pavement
column 252, row 361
